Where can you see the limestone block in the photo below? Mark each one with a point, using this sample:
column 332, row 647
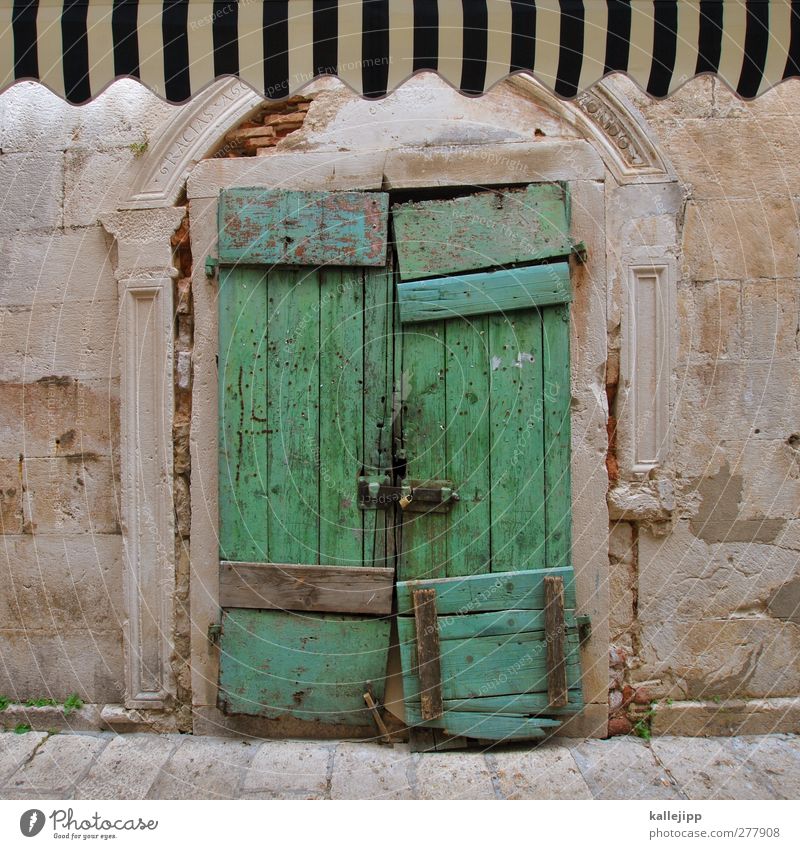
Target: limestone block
column 36, row 119
column 58, row 764
column 70, row 494
column 59, row 416
column 74, row 338
column 547, row 772
column 203, row 769
column 143, row 238
column 95, row 182
column 59, row 583
column 743, row 156
column 736, row 238
column 727, row 717
column 52, row 718
column 10, row 497
column 770, row 312
column 364, row 771
column 622, row 768
column 288, row 770
column 440, row 776
column 54, row 664
column 741, row 657
column 770, row 472
column 621, row 598
column 127, row 767
column 728, row 400
column 683, row 579
column 709, row 320
column 694, row 98
column 57, row 266
column 33, row 191
column 15, row 750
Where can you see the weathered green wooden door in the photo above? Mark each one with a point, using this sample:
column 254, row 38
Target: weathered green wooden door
column 305, row 575
column 411, row 421
column 486, row 599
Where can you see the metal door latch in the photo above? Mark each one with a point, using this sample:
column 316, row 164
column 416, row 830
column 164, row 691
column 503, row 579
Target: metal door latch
column 412, row 496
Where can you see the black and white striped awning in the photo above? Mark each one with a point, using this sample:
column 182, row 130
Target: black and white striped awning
column 177, row 47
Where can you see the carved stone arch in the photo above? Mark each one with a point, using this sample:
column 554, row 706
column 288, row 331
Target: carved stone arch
column 612, row 124
column 161, row 174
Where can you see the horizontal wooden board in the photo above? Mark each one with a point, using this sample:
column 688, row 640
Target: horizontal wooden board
column 526, row 704
column 496, row 624
column 310, row 666
column 487, row 726
column 488, row 666
column 483, row 293
column 484, row 230
column 489, row 592
column 335, row 589
column 278, row 227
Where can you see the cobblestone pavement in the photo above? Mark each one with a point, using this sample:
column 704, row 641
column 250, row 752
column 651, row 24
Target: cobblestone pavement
column 171, row 766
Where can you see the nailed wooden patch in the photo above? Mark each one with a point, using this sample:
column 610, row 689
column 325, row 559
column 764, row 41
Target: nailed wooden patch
column 555, row 633
column 484, row 293
column 323, row 589
column 485, row 230
column 277, row 227
column 430, row 675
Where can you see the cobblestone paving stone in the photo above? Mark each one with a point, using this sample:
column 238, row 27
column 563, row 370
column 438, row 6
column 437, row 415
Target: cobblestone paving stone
column 173, row 766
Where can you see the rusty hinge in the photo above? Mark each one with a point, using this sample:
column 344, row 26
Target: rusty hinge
column 214, row 633
column 412, row 496
column 211, row 266
column 581, row 252
column 584, row 628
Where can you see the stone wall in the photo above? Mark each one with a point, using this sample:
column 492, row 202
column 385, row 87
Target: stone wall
column 62, row 559
column 705, row 603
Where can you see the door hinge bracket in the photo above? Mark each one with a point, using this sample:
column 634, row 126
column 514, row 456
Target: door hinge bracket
column 584, row 628
column 212, row 263
column 580, row 252
column 214, row 633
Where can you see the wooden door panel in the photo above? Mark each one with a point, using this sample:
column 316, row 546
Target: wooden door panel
column 484, row 230
column 312, row 666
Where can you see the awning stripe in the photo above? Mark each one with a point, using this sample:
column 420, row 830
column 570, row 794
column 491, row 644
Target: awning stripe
column 178, row 47
column 665, row 47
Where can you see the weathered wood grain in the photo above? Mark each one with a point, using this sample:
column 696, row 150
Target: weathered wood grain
column 555, row 638
column 336, row 589
column 484, row 593
column 438, row 237
column 485, row 292
column 557, row 438
column 274, row 226
column 310, row 666
column 488, row 726
column 428, row 669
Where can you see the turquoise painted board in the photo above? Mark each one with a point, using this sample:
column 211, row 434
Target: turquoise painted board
column 274, row 226
column 486, row 292
column 484, row 230
column 484, row 593
column 313, row 667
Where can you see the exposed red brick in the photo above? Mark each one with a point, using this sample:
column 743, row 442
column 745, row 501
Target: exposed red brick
column 619, row 724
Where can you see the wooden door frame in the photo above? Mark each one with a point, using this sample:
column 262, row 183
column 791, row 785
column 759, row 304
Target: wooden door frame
column 583, row 171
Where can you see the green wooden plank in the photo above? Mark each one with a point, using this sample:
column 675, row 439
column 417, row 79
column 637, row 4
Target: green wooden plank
column 378, row 365
column 485, row 593
column 424, row 548
column 495, row 624
column 293, row 409
column 487, row 726
column 439, row 237
column 526, row 704
column 274, row 226
column 517, row 494
column 484, row 293
column 487, row 666
column 341, row 382
column 242, row 414
column 310, row 666
column 558, row 503
column 468, row 460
